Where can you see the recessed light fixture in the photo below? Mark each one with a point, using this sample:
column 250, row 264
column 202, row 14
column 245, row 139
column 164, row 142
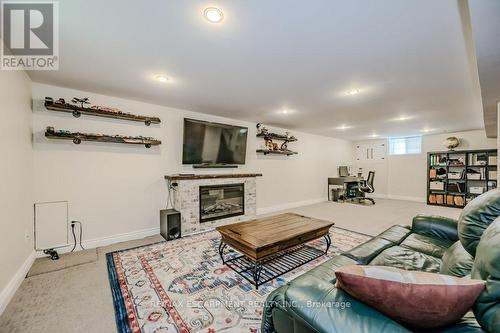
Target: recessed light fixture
column 374, row 135
column 353, row 92
column 285, row 111
column 426, row 130
column 403, row 118
column 343, row 127
column 213, row 14
column 161, row 78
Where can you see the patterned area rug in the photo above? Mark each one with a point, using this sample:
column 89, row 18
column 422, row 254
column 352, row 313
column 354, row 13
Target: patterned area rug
column 182, row 286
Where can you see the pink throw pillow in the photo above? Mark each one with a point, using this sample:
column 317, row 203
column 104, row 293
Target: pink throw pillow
column 417, row 299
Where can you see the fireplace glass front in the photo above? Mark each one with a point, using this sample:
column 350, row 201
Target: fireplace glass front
column 221, row 201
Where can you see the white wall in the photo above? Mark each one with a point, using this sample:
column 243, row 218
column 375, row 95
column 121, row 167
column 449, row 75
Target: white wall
column 405, row 176
column 16, row 185
column 116, row 189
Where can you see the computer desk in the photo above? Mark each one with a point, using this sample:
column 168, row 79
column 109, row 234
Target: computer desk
column 342, row 181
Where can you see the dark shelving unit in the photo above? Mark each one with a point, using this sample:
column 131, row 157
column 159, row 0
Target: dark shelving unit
column 77, row 111
column 78, row 137
column 460, row 162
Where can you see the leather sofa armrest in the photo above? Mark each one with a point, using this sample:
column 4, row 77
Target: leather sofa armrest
column 324, row 308
column 435, row 226
column 275, row 299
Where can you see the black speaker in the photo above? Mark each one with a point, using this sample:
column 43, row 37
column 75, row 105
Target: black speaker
column 170, row 224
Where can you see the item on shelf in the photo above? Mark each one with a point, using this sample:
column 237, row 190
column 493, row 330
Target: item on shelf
column 492, row 184
column 99, row 111
column 432, row 173
column 476, row 189
column 439, row 199
column 492, row 174
column 459, row 161
column 82, row 101
column 438, row 159
column 432, row 198
column 450, row 200
column 455, row 175
column 284, row 146
column 451, row 142
column 456, row 187
column 459, row 200
column 492, row 160
column 78, row 137
column 436, row 186
column 478, row 159
column 275, row 146
column 441, row 173
column 474, row 174
column 261, row 129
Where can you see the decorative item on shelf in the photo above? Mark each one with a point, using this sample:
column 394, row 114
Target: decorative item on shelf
column 100, row 111
column 78, row 137
column 261, row 129
column 451, row 142
column 82, row 101
column 271, row 147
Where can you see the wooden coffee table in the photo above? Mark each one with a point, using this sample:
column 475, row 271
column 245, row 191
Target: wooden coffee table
column 272, row 246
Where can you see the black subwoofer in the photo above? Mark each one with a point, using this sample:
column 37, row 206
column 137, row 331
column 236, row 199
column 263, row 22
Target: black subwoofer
column 170, row 224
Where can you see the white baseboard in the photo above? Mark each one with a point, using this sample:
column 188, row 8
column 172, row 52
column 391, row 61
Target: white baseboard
column 108, row 240
column 10, row 289
column 273, row 209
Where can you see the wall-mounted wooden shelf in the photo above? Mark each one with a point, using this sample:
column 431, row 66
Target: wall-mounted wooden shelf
column 77, row 111
column 274, row 136
column 78, row 137
column 277, row 152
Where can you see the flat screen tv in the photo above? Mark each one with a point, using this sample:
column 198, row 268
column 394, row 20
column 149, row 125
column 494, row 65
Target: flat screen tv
column 213, row 144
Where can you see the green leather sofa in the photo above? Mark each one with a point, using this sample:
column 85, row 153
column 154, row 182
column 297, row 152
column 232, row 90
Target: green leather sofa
column 469, row 246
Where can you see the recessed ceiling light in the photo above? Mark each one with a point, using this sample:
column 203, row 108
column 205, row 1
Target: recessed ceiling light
column 285, row 111
column 426, row 130
column 374, row 135
column 161, row 78
column 213, row 15
column 352, row 92
column 403, row 118
column 343, row 127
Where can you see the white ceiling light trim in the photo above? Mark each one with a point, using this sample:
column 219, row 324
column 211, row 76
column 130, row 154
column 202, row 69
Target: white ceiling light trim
column 213, row 14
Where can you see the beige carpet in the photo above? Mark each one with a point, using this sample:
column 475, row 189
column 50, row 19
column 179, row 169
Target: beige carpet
column 67, row 260
column 78, row 298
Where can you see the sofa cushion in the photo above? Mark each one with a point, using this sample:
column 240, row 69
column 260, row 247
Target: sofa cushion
column 405, row 295
column 404, row 258
column 319, row 305
column 435, row 226
column 487, row 267
column 326, row 271
column 456, row 261
column 396, row 233
column 367, row 251
column 432, row 246
column 476, row 217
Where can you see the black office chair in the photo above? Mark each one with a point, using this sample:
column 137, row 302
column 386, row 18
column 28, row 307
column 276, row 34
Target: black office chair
column 364, row 187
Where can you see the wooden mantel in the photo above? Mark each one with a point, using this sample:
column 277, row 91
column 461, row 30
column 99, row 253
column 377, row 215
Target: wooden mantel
column 211, row 176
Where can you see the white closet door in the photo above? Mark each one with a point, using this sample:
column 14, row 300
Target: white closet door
column 51, row 225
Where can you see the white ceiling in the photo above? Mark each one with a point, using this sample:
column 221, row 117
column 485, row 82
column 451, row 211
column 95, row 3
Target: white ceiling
column 407, row 58
column 485, row 17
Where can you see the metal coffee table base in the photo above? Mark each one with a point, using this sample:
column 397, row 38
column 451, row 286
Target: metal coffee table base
column 269, row 268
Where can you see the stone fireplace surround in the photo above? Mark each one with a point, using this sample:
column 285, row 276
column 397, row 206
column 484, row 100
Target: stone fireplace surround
column 186, row 198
